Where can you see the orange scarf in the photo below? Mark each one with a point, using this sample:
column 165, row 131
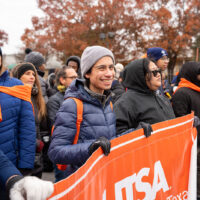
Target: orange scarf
column 188, row 84
column 20, row 91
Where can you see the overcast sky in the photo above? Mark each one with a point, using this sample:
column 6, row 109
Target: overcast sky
column 15, row 16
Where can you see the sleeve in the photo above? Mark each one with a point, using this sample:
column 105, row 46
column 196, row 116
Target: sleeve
column 123, row 119
column 62, row 150
column 26, row 136
column 181, row 104
column 52, row 108
column 7, row 169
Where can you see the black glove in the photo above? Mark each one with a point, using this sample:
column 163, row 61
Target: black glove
column 196, row 121
column 102, row 142
column 147, row 128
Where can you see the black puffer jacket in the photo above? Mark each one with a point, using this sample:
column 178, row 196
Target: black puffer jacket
column 139, row 103
column 117, row 90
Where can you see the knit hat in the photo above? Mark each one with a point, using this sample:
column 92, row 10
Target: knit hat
column 91, row 55
column 155, row 53
column 35, row 58
column 22, row 68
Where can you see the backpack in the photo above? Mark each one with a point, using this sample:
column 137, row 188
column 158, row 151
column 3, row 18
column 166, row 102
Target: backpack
column 79, row 105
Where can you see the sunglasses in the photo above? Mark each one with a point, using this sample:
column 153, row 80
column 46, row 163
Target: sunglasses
column 155, row 72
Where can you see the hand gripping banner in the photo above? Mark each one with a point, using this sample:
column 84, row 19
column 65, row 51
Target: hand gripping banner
column 162, row 166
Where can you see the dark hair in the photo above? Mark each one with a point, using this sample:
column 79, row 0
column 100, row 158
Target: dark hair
column 87, row 80
column 27, row 50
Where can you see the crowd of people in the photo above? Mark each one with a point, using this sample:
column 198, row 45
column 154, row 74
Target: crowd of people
column 58, row 122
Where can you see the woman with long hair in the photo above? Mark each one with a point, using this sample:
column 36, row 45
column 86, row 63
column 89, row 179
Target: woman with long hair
column 27, row 73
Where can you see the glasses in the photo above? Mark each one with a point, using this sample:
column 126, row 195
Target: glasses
column 71, row 77
column 155, row 72
column 164, row 58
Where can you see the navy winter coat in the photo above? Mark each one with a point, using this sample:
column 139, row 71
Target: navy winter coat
column 97, row 122
column 17, row 129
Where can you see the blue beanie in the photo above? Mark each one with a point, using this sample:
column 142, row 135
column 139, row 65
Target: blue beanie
column 155, row 53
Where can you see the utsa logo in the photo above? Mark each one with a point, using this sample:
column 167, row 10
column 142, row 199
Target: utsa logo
column 159, row 182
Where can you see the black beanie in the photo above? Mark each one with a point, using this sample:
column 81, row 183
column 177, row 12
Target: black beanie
column 23, row 68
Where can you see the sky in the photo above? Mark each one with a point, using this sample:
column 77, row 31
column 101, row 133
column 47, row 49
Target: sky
column 15, row 17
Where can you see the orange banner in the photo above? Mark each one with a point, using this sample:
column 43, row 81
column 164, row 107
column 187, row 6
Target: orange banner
column 158, row 167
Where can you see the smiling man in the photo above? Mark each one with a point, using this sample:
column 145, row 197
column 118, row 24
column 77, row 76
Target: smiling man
column 98, row 124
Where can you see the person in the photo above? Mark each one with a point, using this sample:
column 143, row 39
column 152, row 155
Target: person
column 17, row 124
column 74, row 62
column 98, row 125
column 187, row 99
column 141, row 103
column 117, row 88
column 17, row 187
column 27, row 73
column 64, row 77
column 51, row 81
column 160, row 57
column 37, row 59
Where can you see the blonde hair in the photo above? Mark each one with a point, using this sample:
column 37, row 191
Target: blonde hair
column 40, row 103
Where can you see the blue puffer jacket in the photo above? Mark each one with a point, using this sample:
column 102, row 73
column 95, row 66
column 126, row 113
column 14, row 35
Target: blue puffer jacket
column 6, row 170
column 97, row 122
column 17, row 129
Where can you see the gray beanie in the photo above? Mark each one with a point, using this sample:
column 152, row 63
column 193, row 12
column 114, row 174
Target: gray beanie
column 91, row 55
column 35, row 58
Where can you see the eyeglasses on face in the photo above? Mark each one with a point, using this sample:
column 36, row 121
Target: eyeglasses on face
column 71, row 77
column 155, row 72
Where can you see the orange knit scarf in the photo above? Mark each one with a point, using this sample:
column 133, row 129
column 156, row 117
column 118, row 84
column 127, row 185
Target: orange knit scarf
column 20, row 91
column 188, row 84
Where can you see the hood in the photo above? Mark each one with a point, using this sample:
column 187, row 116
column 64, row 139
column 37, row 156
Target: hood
column 134, row 75
column 189, row 71
column 75, row 59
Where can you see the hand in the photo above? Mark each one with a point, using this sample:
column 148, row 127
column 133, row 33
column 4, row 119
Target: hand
column 147, row 128
column 102, row 142
column 196, row 121
column 31, row 188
